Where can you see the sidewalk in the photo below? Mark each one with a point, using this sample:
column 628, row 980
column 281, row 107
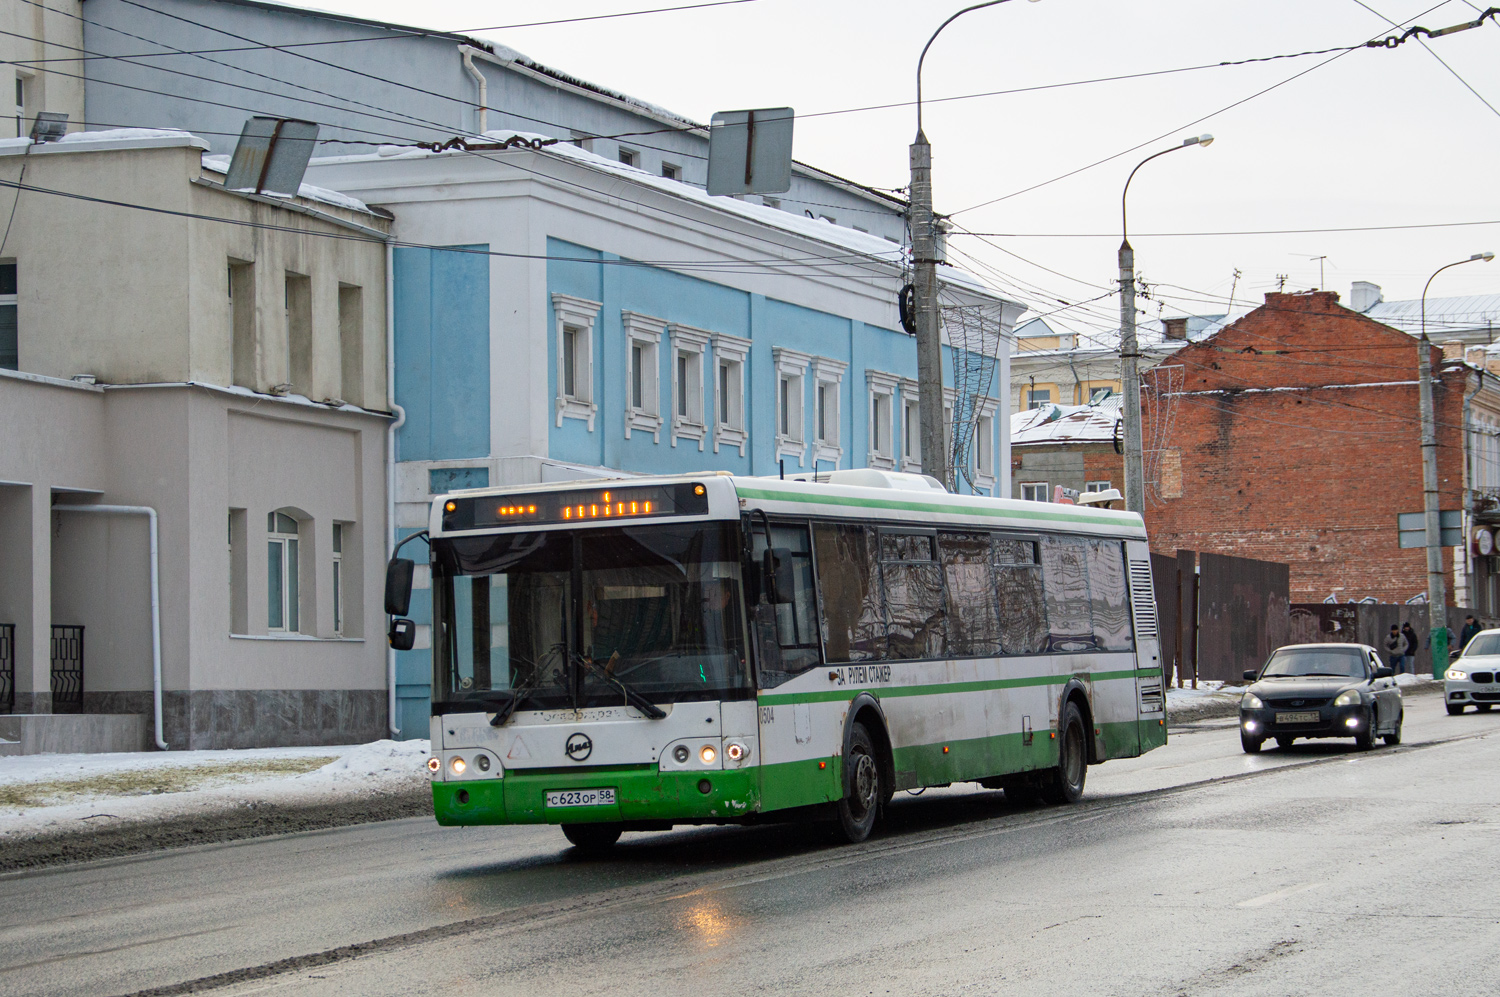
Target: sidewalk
column 56, row 808
column 1212, row 700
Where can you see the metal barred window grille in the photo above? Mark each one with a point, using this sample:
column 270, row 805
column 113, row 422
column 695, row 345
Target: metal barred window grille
column 7, row 667
column 67, row 669
column 1143, row 598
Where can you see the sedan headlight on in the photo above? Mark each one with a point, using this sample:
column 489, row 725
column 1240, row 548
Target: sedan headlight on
column 1251, row 701
column 1350, row 698
column 1456, row 674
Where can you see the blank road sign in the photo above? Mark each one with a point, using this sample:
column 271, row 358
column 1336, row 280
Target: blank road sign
column 750, row 152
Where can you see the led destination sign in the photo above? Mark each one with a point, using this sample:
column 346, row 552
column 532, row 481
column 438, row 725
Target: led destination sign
column 576, row 506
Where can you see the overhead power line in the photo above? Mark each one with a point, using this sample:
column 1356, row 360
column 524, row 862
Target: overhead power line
column 1236, row 232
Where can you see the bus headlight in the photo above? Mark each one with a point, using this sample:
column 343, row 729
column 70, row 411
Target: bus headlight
column 708, row 754
column 736, row 751
column 681, row 754
column 457, row 765
column 433, row 765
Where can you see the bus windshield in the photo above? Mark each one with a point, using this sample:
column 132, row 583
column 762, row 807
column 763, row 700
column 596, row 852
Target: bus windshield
column 571, row 618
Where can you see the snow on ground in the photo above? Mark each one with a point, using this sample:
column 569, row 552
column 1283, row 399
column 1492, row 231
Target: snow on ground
column 1207, row 692
column 49, row 792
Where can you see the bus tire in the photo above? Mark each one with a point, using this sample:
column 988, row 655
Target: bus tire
column 863, row 792
column 592, row 838
column 1064, row 784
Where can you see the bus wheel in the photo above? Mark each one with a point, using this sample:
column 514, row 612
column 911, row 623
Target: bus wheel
column 862, row 791
column 1064, row 784
column 592, row 837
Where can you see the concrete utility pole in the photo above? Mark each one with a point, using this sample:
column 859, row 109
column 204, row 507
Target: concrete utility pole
column 1437, row 597
column 936, row 460
column 1130, row 378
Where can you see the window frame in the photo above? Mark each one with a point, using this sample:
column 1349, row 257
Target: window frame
column 337, row 591
column 628, row 156
column 1032, row 402
column 289, row 588
column 671, row 171
column 690, row 350
column 1096, row 486
column 878, row 385
column 1046, row 491
column 646, row 332
column 734, row 353
column 791, row 389
column 13, row 301
column 580, row 316
column 987, row 415
column 911, row 427
column 828, row 384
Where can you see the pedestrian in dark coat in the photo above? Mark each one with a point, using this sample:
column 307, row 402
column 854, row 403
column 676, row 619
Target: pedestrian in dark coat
column 1471, row 628
column 1394, row 647
column 1409, row 662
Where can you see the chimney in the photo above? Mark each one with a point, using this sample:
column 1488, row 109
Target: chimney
column 1453, row 350
column 1363, row 296
column 1176, row 328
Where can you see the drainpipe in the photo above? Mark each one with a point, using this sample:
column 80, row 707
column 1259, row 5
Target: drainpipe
column 390, row 462
column 1469, row 591
column 141, row 510
column 468, row 54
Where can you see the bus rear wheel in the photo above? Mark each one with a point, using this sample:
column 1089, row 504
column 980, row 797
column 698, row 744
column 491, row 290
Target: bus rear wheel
column 863, row 794
column 592, row 838
column 1064, row 784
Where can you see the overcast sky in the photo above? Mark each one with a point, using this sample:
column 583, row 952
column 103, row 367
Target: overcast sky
column 1374, row 137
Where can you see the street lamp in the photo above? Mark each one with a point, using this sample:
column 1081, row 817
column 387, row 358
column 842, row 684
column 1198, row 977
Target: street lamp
column 1130, row 378
column 1437, row 598
column 924, row 283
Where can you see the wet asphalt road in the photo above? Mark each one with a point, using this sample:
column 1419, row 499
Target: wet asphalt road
column 1195, row 869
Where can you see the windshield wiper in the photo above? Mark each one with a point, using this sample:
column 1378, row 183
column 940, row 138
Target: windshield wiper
column 514, row 697
column 650, row 709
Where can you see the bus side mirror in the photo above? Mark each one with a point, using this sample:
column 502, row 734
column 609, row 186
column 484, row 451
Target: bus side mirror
column 402, row 635
column 776, row 570
column 398, row 575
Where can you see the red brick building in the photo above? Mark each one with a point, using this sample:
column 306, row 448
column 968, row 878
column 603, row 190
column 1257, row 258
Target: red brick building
column 1297, row 435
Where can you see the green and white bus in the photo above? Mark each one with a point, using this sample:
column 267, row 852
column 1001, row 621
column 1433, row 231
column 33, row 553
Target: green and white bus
column 708, row 649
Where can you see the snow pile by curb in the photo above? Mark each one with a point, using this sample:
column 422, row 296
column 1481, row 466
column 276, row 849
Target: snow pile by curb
column 42, row 794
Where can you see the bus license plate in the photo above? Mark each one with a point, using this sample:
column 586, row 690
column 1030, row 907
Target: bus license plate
column 1297, row 718
column 581, row 797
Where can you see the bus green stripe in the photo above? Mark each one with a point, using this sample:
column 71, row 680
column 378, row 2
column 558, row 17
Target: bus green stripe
column 1041, row 515
column 944, row 688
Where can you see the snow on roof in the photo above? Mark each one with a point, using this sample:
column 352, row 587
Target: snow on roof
column 1053, row 423
column 861, row 244
column 1444, row 315
column 110, row 139
column 309, row 192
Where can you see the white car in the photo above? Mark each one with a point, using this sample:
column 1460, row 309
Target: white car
column 1473, row 679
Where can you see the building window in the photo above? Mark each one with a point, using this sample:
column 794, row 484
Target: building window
column 1096, row 486
column 1097, row 395
column 10, row 340
column 689, row 351
column 299, row 337
column 642, row 370
column 1037, row 397
column 791, row 374
column 628, row 156
column 731, row 353
column 671, row 171
column 828, row 382
column 242, row 324
column 352, row 344
column 282, row 595
column 338, row 579
column 20, row 107
column 574, row 345
column 984, row 449
column 1035, row 491
column 239, row 603
column 911, row 428
column 881, row 389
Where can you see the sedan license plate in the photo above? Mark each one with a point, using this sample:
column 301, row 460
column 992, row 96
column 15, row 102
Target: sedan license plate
column 581, row 797
column 1297, row 718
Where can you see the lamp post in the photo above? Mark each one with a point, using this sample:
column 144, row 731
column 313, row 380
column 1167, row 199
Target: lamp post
column 925, row 286
column 1130, row 378
column 1437, row 598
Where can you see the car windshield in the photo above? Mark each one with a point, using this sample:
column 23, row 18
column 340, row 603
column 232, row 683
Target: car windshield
column 1483, row 644
column 1292, row 662
column 574, row 618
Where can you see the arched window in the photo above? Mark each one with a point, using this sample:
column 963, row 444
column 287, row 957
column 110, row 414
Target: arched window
column 281, row 573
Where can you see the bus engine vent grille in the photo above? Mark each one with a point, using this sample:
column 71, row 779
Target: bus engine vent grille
column 1143, row 598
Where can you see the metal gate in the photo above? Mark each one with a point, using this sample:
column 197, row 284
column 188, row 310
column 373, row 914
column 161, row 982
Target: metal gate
column 67, row 669
column 7, row 668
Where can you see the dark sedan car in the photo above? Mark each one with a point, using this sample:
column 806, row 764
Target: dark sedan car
column 1321, row 690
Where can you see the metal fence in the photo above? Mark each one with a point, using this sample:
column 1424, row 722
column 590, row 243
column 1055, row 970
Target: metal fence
column 7, row 668
column 67, row 669
column 1243, row 613
column 1364, row 623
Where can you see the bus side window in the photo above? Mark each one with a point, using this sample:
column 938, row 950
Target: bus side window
column 1065, row 575
column 1110, row 595
column 914, row 604
column 973, row 615
column 1018, row 586
column 849, row 575
column 786, row 633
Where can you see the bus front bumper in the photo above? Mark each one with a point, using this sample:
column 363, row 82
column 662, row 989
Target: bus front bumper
column 642, row 793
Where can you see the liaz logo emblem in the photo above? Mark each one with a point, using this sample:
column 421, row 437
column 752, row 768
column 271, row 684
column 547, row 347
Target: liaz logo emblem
column 579, row 747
